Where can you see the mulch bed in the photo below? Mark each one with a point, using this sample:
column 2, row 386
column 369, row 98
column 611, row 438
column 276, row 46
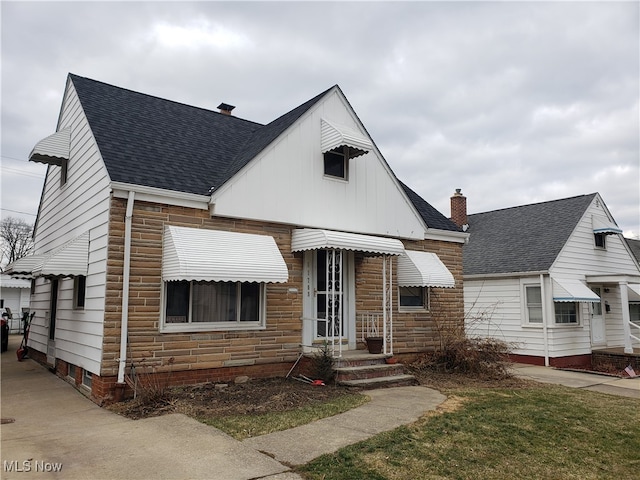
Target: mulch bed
column 208, row 400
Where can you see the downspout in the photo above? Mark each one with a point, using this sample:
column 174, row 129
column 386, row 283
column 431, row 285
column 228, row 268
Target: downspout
column 124, row 327
column 545, row 331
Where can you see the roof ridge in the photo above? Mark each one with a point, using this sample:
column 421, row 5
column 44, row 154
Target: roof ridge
column 264, row 135
column 156, row 97
column 535, row 203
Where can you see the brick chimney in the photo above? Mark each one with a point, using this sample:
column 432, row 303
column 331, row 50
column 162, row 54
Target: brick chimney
column 459, row 208
column 225, row 108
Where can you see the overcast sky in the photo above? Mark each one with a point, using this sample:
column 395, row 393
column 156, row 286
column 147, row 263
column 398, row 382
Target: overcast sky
column 514, row 103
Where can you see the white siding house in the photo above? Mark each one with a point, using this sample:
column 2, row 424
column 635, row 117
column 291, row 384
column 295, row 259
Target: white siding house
column 171, row 238
column 554, row 279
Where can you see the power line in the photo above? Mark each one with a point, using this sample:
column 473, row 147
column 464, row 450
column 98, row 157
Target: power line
column 22, row 172
column 15, row 211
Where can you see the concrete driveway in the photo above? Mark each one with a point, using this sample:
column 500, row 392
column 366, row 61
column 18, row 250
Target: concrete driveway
column 55, row 425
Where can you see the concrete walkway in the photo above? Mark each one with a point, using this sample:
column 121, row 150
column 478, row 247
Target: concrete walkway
column 625, row 387
column 52, row 423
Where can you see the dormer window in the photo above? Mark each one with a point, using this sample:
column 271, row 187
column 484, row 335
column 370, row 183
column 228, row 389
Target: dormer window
column 338, row 144
column 336, row 163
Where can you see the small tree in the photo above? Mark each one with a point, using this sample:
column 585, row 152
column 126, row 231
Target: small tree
column 16, row 236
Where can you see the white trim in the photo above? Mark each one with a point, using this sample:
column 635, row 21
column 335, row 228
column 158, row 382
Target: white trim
column 190, row 326
column 161, row 195
column 445, row 235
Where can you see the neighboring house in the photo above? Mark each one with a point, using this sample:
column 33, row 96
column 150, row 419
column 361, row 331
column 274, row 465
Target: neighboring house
column 14, row 296
column 634, row 294
column 554, row 277
column 177, row 239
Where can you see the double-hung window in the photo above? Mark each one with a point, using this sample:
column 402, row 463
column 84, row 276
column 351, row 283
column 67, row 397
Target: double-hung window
column 214, row 305
column 533, row 296
column 566, row 313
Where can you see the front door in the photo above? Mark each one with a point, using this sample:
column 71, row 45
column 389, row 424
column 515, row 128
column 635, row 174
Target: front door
column 598, row 331
column 329, row 308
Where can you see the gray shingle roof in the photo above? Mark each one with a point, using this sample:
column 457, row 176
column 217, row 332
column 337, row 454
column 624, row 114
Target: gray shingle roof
column 432, row 217
column 150, row 141
column 146, row 140
column 634, row 246
column 527, row 238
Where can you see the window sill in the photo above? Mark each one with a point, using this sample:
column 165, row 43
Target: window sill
column 554, row 325
column 209, row 327
column 337, row 179
column 413, row 310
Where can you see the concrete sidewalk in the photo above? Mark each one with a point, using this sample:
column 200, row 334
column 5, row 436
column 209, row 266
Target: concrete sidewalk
column 625, row 387
column 52, row 423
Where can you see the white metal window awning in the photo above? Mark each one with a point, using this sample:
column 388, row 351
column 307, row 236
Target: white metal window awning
column 315, row 239
column 423, row 269
column 334, row 136
column 52, row 150
column 219, row 256
column 571, row 290
column 633, row 292
column 69, row 260
column 603, row 225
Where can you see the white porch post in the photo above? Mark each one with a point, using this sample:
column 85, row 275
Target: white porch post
column 545, row 325
column 387, row 303
column 624, row 300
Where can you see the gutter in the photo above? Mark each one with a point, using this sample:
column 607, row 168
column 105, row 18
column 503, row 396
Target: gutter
column 124, row 326
column 545, row 326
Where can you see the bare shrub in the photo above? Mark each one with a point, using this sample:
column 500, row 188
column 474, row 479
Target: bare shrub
column 484, row 357
column 457, row 352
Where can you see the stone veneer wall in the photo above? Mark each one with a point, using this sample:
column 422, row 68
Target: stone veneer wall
column 414, row 332
column 182, row 358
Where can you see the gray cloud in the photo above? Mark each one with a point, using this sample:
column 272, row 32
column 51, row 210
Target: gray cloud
column 512, row 102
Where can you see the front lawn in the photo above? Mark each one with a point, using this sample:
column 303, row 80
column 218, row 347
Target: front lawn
column 533, row 432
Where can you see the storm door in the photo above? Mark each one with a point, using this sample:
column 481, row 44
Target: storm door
column 329, row 305
column 598, row 331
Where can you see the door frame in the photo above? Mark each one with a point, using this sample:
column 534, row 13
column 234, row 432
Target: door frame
column 53, row 314
column 597, row 319
column 309, row 330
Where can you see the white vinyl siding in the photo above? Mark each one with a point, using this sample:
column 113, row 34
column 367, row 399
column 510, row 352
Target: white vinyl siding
column 286, row 184
column 81, row 205
column 580, row 258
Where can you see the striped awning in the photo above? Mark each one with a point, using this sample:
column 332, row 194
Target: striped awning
column 315, row 239
column 603, row 225
column 423, row 269
column 52, row 150
column 69, row 260
column 571, row 290
column 217, row 256
column 335, row 136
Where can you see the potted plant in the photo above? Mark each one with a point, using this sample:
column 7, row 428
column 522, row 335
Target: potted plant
column 371, row 334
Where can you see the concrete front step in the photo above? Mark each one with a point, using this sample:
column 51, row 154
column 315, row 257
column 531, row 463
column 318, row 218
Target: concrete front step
column 369, row 371
column 378, row 382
